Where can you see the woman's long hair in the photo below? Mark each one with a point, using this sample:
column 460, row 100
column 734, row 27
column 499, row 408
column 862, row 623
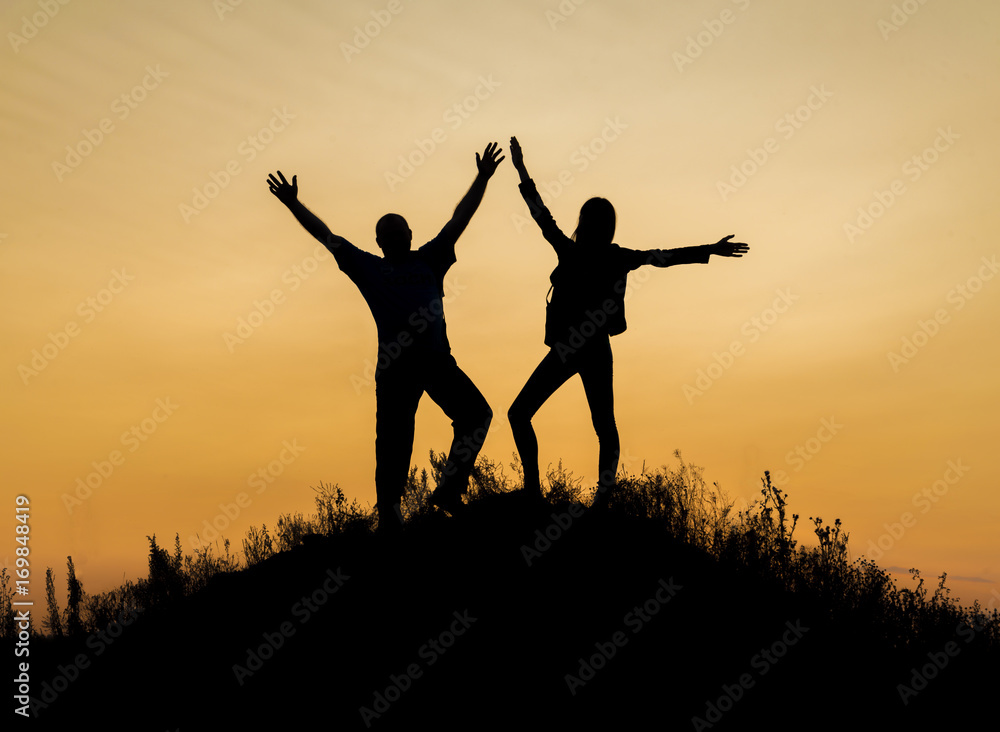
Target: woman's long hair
column 596, row 226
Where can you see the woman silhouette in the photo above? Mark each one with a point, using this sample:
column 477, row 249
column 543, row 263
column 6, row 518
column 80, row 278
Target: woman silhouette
column 586, row 307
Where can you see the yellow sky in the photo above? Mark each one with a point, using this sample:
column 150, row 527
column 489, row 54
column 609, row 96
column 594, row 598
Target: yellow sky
column 852, row 150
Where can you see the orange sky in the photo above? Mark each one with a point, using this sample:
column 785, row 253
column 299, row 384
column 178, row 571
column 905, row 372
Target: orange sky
column 850, row 144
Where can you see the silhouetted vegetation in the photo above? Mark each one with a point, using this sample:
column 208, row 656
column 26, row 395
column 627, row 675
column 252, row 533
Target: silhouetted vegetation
column 549, row 611
column 760, row 540
column 52, row 622
column 74, row 624
column 6, row 605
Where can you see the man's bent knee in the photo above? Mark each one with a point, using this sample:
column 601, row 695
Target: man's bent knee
column 474, row 422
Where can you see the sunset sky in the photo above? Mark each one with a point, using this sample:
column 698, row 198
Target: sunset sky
column 170, row 325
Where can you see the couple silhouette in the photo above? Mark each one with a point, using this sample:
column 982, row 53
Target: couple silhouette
column 404, row 290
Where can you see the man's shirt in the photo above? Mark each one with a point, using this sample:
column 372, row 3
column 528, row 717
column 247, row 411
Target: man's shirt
column 404, row 294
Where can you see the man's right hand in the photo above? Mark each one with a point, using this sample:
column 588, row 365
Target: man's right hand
column 287, row 193
column 487, row 164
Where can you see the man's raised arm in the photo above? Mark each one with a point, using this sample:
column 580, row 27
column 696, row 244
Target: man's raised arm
column 288, row 194
column 486, row 165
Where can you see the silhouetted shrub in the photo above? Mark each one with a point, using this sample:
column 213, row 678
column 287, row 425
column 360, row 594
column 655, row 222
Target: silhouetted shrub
column 166, row 578
column 6, row 606
column 257, row 545
column 336, row 516
column 52, row 622
column 74, row 623
column 758, row 541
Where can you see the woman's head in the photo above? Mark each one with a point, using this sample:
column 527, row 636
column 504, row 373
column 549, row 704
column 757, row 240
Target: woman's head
column 597, row 222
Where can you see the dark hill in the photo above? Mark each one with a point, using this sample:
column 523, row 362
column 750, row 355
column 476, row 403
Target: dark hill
column 451, row 627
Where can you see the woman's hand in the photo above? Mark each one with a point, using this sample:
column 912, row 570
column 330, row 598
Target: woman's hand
column 516, row 156
column 726, row 248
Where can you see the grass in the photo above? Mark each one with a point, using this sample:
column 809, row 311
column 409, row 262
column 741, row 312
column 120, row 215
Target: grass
column 755, row 549
column 759, row 540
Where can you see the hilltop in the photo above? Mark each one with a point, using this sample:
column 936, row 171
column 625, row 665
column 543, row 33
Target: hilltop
column 538, row 615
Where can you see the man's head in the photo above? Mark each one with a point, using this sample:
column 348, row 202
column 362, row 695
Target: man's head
column 393, row 235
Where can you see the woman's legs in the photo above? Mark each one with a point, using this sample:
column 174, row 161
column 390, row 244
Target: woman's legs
column 597, row 373
column 548, row 376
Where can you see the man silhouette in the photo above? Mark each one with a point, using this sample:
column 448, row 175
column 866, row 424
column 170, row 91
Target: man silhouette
column 404, row 290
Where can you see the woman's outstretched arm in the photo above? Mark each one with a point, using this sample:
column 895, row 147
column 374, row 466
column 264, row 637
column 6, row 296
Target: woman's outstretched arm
column 539, row 212
column 691, row 255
